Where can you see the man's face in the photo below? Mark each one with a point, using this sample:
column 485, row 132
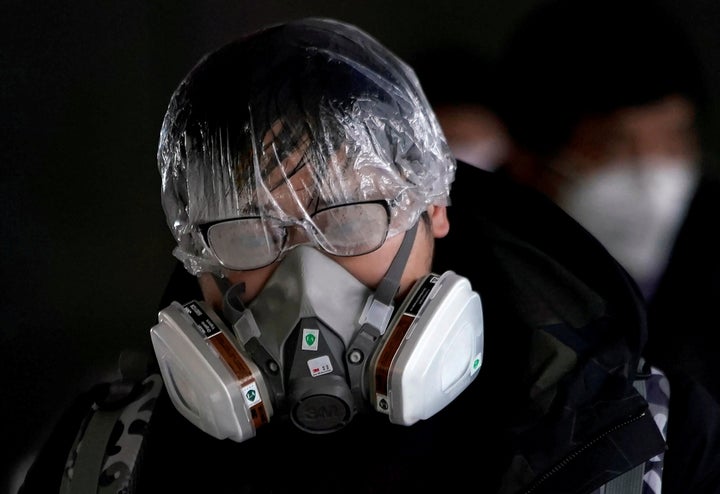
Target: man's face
column 294, row 191
column 368, row 268
column 646, row 135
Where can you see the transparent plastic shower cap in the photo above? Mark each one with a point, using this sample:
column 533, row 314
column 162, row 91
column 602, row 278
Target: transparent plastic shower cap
column 293, row 118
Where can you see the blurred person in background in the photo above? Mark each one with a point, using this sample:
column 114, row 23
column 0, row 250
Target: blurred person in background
column 475, row 134
column 604, row 101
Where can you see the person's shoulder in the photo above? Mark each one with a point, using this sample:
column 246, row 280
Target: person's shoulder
column 492, row 197
column 101, row 436
column 702, row 213
column 491, row 212
column 476, row 185
column 709, row 186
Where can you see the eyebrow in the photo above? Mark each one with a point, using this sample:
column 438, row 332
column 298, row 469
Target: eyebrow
column 295, row 159
column 286, row 173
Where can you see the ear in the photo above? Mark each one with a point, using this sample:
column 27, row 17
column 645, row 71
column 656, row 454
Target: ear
column 439, row 223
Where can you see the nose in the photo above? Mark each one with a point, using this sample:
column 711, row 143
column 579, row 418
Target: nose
column 664, row 128
column 644, row 145
column 299, row 234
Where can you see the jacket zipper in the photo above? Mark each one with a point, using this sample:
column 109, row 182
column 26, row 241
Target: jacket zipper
column 570, row 457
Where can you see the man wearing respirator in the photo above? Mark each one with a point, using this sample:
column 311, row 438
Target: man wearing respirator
column 326, row 329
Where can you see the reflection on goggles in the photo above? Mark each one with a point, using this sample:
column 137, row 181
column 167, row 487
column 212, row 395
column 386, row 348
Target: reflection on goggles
column 252, row 242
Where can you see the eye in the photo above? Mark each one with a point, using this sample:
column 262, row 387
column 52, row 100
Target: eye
column 353, row 229
column 246, row 243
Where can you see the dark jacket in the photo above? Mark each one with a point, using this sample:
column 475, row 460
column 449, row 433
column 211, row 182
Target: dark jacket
column 553, row 409
column 543, row 276
column 683, row 312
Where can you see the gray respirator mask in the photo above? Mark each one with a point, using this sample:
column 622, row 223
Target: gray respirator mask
column 318, row 346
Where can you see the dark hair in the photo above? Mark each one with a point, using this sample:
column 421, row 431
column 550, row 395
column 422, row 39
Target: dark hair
column 281, row 74
column 313, row 91
column 571, row 58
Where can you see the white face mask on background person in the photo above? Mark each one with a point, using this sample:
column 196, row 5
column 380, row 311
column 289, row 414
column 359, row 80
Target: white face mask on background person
column 634, row 210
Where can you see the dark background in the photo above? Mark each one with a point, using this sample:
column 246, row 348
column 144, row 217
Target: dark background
column 83, row 89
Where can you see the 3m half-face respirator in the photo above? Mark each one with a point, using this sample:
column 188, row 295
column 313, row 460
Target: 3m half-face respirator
column 319, row 346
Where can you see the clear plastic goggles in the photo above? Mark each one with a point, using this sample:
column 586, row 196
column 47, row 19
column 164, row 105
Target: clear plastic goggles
column 252, row 242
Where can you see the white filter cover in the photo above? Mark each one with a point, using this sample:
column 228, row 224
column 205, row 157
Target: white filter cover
column 200, row 385
column 441, row 353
